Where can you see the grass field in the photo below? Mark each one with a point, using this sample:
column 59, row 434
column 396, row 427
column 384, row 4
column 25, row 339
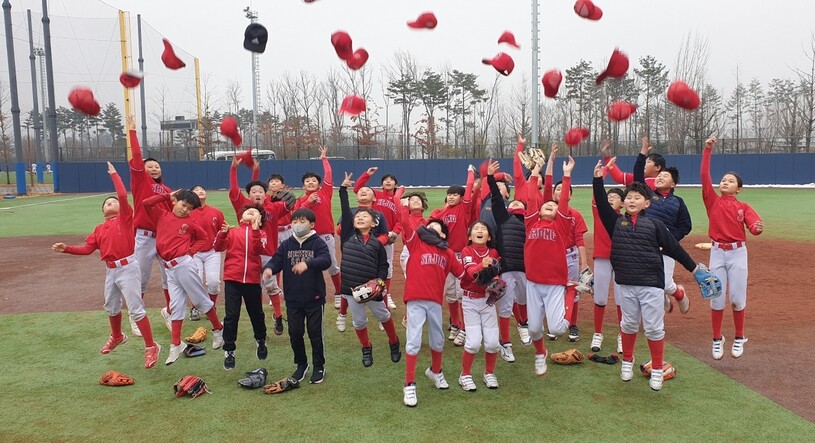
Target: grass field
column 12, row 177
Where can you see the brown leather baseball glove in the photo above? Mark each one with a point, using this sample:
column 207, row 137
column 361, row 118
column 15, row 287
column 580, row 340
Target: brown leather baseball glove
column 570, row 357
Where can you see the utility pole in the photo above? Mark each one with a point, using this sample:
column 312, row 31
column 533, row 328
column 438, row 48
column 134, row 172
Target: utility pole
column 253, row 18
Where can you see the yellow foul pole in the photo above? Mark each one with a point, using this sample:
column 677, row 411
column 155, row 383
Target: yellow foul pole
column 198, row 104
column 128, row 105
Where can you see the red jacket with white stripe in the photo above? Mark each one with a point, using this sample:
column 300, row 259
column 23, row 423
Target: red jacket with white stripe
column 243, row 248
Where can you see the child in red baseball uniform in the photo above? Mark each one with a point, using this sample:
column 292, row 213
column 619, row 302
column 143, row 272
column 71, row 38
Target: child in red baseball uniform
column 654, row 163
column 209, row 262
column 178, row 239
column 115, row 241
column 728, row 256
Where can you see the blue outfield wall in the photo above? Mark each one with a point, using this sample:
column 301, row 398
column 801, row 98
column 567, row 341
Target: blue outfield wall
column 755, row 169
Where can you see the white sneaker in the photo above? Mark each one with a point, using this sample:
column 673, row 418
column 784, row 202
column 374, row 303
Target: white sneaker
column 381, row 327
column 341, row 319
column 620, row 344
column 491, row 381
column 627, row 370
column 596, row 342
column 523, row 333
column 551, row 337
column 391, row 304
column 410, row 398
column 718, row 349
column 461, row 337
column 167, row 322
column 337, row 301
column 438, row 379
column 175, row 352
column 738, row 347
column 453, row 333
column 466, row 382
column 656, row 379
column 540, row 364
column 506, row 353
column 134, row 327
column 217, row 339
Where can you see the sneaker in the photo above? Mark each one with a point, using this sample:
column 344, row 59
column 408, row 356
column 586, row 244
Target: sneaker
column 134, row 328
column 551, row 337
column 627, row 370
column 466, row 382
column 229, row 360
column 151, row 355
column 300, row 372
column 391, row 304
column 620, row 344
column 596, row 342
column 684, row 302
column 461, row 337
column 491, row 381
column 738, row 347
column 194, row 314
column 217, row 339
column 453, row 333
column 540, row 364
column 278, row 325
column 167, row 322
column 669, row 306
column 396, row 354
column 262, row 351
column 341, row 319
column 367, row 357
column 381, row 326
column 410, row 395
column 523, row 333
column 506, row 353
column 112, row 343
column 574, row 333
column 175, row 352
column 318, row 375
column 438, row 379
column 337, row 301
column 718, row 349
column 656, row 379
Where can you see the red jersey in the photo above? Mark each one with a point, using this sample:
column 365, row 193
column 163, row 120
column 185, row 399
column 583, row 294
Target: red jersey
column 115, row 238
column 626, row 178
column 471, row 258
column 175, row 236
column 518, row 176
column 384, row 202
column 143, row 186
column 274, row 211
column 728, row 216
column 458, row 217
column 243, row 247
column 545, row 247
column 322, row 206
column 210, row 219
column 578, row 228
column 429, row 264
column 284, row 220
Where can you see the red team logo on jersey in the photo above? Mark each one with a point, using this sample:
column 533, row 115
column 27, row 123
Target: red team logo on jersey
column 449, row 219
column 158, row 188
column 434, row 259
column 740, row 216
column 542, row 234
column 183, row 229
column 385, row 203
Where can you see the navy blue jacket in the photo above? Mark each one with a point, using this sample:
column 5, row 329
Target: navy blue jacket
column 308, row 288
column 669, row 209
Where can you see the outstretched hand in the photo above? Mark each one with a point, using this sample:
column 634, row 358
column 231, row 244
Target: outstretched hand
column 710, row 142
column 111, row 168
column 646, row 146
column 598, row 169
column 492, row 167
column 372, row 170
column 235, row 162
column 347, row 183
column 58, row 247
column 568, row 166
column 604, row 148
column 323, row 152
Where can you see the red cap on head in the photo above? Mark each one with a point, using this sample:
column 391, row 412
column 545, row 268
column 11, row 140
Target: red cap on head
column 617, row 66
column 168, row 57
column 575, row 136
column 352, row 105
column 229, row 129
column 341, row 42
column 131, row 79
column 502, row 63
column 620, row 110
column 551, row 82
column 680, row 94
column 588, row 10
column 508, row 38
column 357, row 59
column 81, row 99
column 426, row 20
column 246, row 158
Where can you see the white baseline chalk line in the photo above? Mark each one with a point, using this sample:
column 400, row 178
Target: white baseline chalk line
column 52, row 201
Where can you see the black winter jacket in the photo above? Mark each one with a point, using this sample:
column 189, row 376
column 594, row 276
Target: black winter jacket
column 511, row 233
column 361, row 260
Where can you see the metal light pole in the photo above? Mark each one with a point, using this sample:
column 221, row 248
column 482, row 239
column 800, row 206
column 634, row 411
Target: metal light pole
column 51, row 116
column 535, row 71
column 253, row 18
column 39, row 153
column 20, row 166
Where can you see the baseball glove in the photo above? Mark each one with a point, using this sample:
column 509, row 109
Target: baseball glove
column 194, row 351
column 709, row 284
column 485, row 275
column 392, row 238
column 285, row 196
column 198, row 336
column 190, row 385
column 373, row 289
column 585, row 283
column 705, row 245
column 532, row 156
column 610, row 360
column 570, row 357
column 668, row 371
column 282, row 385
column 496, row 289
column 254, row 379
column 115, row 378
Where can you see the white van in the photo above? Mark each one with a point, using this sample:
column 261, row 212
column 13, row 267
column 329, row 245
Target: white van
column 259, row 154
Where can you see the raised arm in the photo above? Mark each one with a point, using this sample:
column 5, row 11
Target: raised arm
column 235, row 190
column 91, row 244
column 709, row 195
column 154, row 207
column 125, row 210
column 563, row 204
column 548, row 177
column 499, row 211
column 468, row 190
column 518, row 172
column 328, row 177
column 363, row 178
column 346, row 218
column 604, row 210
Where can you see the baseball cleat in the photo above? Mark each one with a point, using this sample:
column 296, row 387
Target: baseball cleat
column 738, row 347
column 574, row 333
column 682, row 299
column 134, row 328
column 111, row 344
column 194, row 314
column 656, row 379
column 466, row 382
column 596, row 342
column 391, row 304
column 337, row 301
column 461, row 337
column 341, row 319
column 175, row 352
column 151, row 355
column 396, row 354
column 718, row 349
column 506, row 353
column 438, row 379
column 367, row 357
column 523, row 333
column 167, row 322
column 551, row 337
column 540, row 364
column 217, row 339
column 627, row 370
column 491, row 381
column 409, row 398
column 453, row 333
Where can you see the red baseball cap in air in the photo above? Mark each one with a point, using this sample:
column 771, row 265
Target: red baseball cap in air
column 617, row 66
column 427, row 20
column 588, row 10
column 357, row 59
column 131, row 79
column 246, row 158
column 168, row 57
column 508, row 38
column 341, row 42
column 81, row 99
column 229, row 129
column 502, row 63
column 680, row 94
column 575, row 136
column 551, row 82
column 352, row 105
column 620, row 110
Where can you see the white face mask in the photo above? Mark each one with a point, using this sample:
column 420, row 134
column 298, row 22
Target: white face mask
column 300, row 230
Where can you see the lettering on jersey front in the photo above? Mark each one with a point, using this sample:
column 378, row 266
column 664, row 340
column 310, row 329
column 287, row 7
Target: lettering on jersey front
column 183, row 229
column 385, row 203
column 740, row 216
column 542, row 234
column 158, row 188
column 434, row 259
column 449, row 219
column 300, row 255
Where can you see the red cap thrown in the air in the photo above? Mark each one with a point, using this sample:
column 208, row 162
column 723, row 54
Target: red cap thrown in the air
column 352, row 105
column 131, row 79
column 508, row 38
column 81, row 99
column 617, row 66
column 502, row 63
column 620, row 110
column 588, row 10
column 680, row 94
column 357, row 59
column 341, row 42
column 168, row 57
column 551, row 82
column 246, row 158
column 229, row 129
column 426, row 20
column 575, row 136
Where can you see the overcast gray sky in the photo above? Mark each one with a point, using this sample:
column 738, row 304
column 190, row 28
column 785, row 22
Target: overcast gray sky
column 764, row 38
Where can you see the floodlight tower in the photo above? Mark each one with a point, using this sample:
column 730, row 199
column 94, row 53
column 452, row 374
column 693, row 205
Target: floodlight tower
column 253, row 18
column 535, row 72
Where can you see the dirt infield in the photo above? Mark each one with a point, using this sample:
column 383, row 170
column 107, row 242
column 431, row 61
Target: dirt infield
column 779, row 322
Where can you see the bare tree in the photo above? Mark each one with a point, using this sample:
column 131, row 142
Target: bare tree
column 485, row 111
column 806, row 85
column 233, row 94
column 5, row 138
column 403, row 77
column 332, row 97
column 691, row 67
column 520, row 115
